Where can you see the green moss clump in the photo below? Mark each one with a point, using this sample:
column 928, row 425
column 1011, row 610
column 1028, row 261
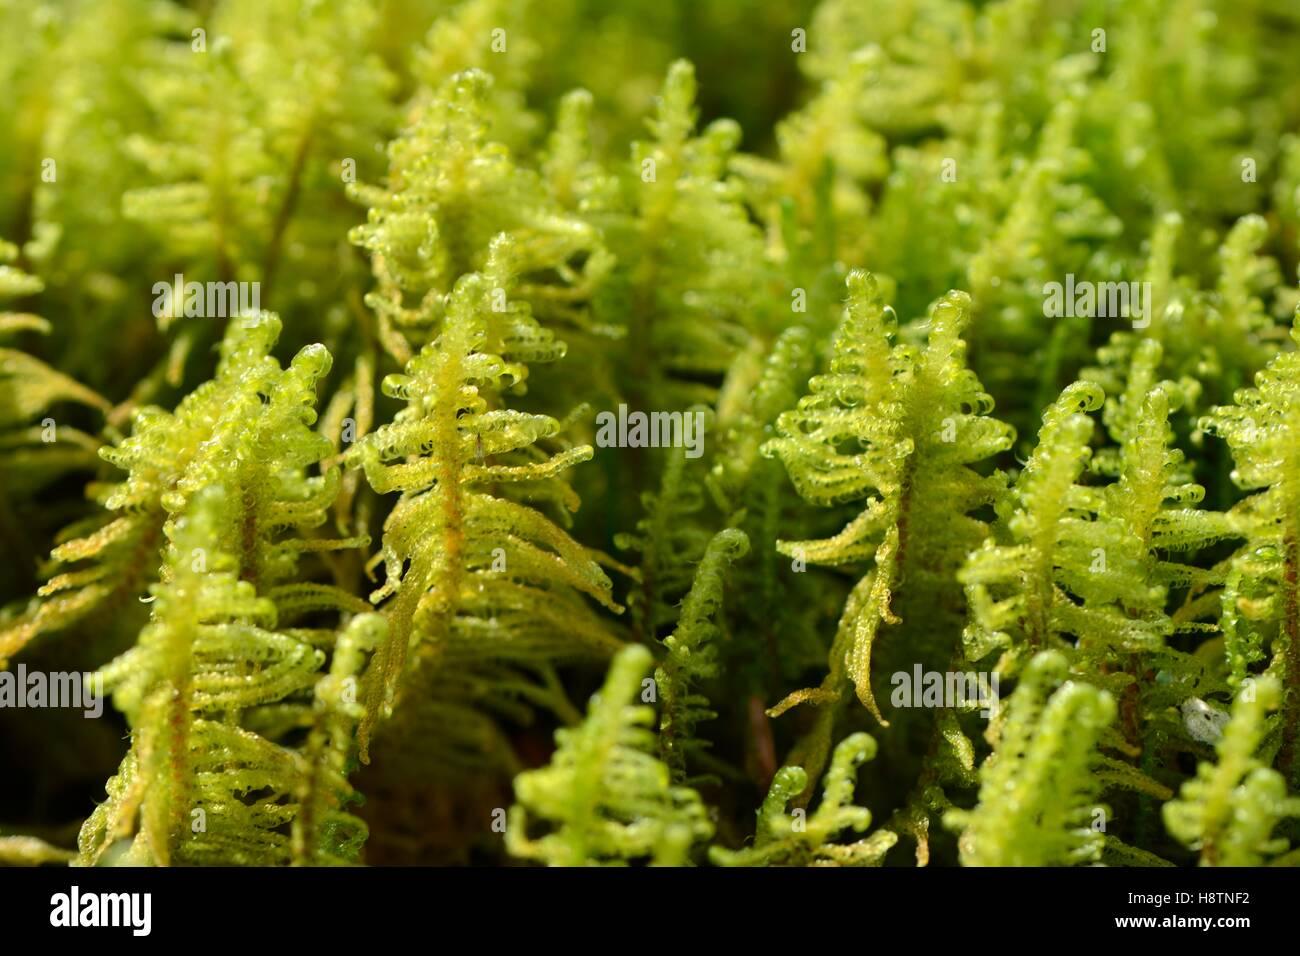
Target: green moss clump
column 884, row 414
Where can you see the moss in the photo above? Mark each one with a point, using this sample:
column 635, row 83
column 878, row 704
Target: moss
column 985, row 311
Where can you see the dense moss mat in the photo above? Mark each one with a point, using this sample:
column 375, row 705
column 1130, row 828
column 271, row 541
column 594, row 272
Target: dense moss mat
column 712, row 432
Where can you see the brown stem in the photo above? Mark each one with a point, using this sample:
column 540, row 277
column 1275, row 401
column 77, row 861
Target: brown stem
column 1291, row 627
